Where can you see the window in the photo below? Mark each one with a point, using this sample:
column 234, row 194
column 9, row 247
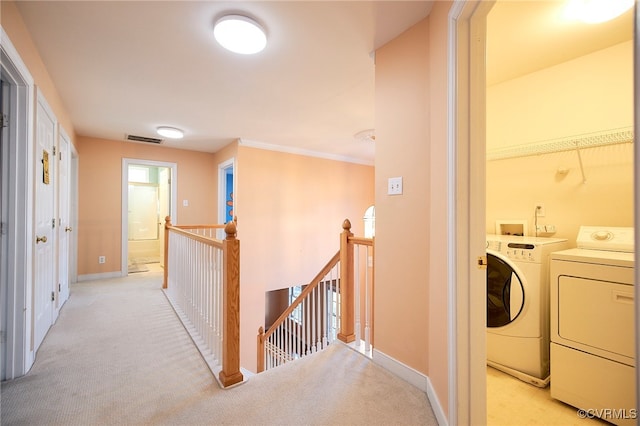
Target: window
column 296, row 314
column 370, row 222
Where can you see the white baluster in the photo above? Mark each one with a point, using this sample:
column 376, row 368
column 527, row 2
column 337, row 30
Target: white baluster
column 356, row 295
column 323, row 311
column 367, row 329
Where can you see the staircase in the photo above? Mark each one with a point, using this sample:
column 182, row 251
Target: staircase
column 336, row 304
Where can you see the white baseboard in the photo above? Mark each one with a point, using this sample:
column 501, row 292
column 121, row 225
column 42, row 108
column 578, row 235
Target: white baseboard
column 100, row 276
column 413, row 377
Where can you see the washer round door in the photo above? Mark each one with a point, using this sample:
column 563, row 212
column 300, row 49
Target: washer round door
column 505, row 290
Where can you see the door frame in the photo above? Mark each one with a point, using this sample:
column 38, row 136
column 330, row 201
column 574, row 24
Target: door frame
column 18, row 356
column 73, row 220
column 64, row 155
column 466, row 222
column 636, row 183
column 126, row 162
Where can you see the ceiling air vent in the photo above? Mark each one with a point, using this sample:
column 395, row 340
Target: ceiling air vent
column 143, row 139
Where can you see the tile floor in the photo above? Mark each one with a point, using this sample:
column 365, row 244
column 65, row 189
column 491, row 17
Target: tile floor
column 511, row 401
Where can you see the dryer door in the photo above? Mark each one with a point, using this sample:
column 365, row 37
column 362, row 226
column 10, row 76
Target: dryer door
column 505, row 291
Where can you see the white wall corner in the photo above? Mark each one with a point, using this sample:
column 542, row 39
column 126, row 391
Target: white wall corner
column 414, row 378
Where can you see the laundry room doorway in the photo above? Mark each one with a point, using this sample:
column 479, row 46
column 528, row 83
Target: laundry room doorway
column 148, row 198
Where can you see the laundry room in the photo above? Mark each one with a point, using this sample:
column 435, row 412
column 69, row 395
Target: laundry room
column 559, row 145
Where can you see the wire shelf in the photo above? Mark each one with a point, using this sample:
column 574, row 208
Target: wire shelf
column 588, row 140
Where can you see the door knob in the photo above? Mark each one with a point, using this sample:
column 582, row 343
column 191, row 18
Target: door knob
column 68, row 229
column 41, row 239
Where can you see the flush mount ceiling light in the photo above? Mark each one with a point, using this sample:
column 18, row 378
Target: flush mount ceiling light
column 596, row 11
column 240, row 34
column 170, row 132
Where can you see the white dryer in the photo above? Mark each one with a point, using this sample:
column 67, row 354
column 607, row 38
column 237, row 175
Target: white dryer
column 518, row 305
column 592, row 324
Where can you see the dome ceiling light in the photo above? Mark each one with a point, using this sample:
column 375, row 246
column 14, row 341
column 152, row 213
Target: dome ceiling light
column 240, row 34
column 596, row 11
column 170, row 132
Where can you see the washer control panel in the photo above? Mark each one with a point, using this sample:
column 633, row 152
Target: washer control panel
column 526, row 252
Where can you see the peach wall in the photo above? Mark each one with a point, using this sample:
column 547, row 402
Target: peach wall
column 403, row 222
column 599, row 99
column 100, row 195
column 12, row 23
column 290, row 211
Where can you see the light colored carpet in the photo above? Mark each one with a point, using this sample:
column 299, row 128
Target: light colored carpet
column 118, row 355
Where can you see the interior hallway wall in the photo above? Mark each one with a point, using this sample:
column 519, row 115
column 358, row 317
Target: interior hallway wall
column 411, row 276
column 290, row 211
column 100, row 195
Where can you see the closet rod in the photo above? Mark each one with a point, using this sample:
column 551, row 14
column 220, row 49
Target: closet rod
column 588, row 140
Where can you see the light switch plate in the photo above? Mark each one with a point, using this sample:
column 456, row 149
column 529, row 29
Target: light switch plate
column 395, row 186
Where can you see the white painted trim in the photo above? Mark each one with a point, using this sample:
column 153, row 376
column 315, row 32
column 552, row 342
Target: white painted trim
column 99, row 276
column 636, row 157
column 414, row 378
column 19, row 357
column 75, row 165
column 466, row 162
column 125, row 202
column 300, row 151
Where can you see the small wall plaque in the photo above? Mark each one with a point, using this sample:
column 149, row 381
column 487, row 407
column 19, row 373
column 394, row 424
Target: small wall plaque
column 45, row 167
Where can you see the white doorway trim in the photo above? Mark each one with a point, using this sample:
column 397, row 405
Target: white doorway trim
column 466, row 224
column 73, row 242
column 17, row 306
column 636, row 183
column 125, row 201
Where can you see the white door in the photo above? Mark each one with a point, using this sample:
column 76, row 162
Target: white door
column 164, row 199
column 64, row 222
column 44, row 267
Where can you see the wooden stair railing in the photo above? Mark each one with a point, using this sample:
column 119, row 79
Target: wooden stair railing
column 202, row 282
column 328, row 308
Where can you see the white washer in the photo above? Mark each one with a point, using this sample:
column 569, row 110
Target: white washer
column 592, row 324
column 518, row 305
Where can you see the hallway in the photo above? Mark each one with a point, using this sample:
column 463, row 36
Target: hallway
column 119, row 355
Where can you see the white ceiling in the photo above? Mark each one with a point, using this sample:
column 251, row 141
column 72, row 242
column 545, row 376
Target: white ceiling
column 527, row 36
column 125, row 67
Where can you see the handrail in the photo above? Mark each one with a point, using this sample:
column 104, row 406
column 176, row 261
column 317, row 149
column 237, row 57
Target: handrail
column 307, row 290
column 335, row 292
column 204, row 289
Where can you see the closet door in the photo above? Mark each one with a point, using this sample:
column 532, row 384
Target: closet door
column 44, row 250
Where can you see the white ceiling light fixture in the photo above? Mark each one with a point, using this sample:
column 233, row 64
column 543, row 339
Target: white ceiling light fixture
column 596, row 11
column 240, row 34
column 170, row 132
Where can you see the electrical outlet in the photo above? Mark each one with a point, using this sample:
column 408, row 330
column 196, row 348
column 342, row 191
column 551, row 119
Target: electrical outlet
column 102, row 259
column 395, row 186
column 540, row 210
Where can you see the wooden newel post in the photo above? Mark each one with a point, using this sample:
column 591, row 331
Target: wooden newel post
column 230, row 373
column 260, row 366
column 167, row 225
column 346, row 333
